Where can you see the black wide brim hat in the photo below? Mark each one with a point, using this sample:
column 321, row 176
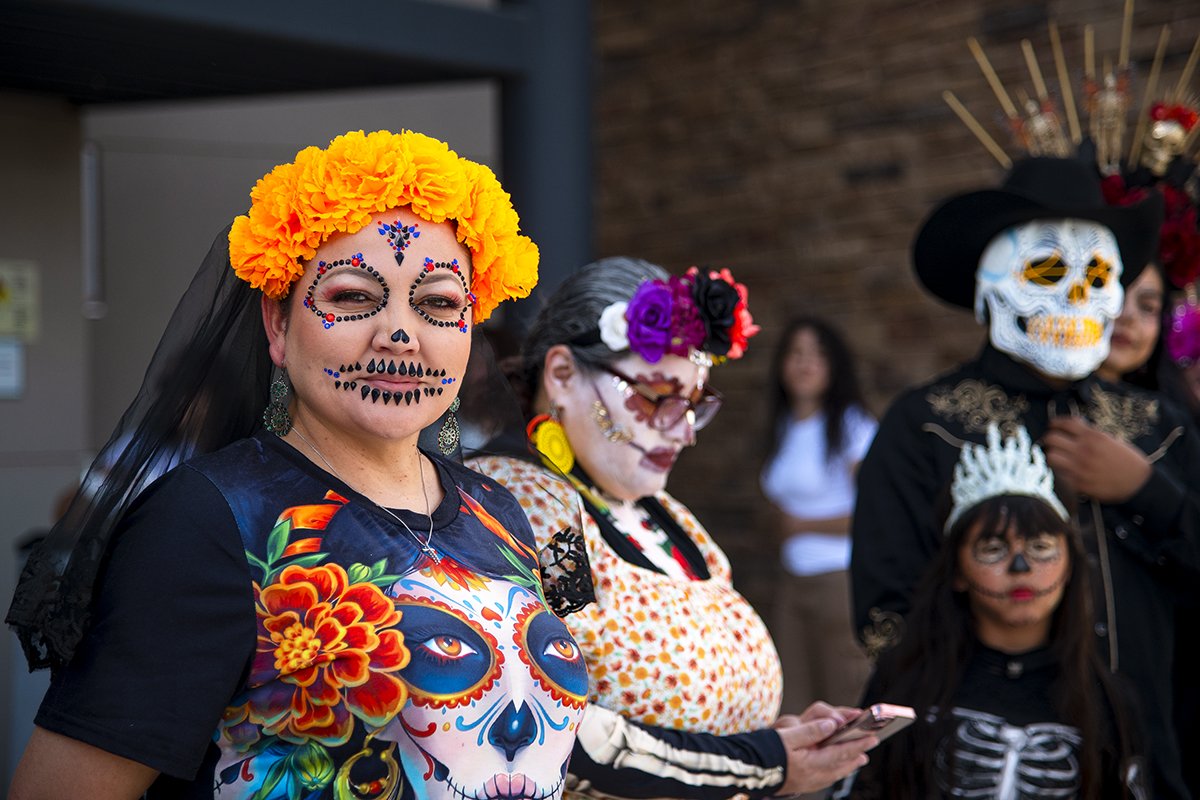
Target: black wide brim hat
column 950, row 243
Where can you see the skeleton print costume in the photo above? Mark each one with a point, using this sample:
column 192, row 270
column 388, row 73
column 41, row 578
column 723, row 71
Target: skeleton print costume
column 1003, row 740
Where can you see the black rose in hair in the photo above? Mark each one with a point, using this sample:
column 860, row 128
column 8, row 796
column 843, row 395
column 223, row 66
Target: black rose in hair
column 716, row 300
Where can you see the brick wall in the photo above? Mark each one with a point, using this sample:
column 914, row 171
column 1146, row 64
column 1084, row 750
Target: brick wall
column 801, row 143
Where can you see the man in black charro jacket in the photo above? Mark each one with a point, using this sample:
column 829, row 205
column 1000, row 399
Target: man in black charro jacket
column 1033, row 260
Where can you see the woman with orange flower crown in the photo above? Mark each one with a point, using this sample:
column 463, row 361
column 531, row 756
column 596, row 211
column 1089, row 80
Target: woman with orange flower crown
column 684, row 679
column 313, row 606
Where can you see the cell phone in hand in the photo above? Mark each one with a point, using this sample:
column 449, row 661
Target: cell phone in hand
column 880, row 720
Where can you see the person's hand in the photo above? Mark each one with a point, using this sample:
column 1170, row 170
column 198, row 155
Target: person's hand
column 811, row 768
column 1092, row 462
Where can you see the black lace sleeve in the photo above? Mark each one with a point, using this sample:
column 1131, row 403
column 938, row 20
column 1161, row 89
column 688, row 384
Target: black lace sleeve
column 566, row 573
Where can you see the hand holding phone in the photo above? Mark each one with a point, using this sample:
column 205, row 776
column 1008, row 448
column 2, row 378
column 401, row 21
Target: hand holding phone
column 880, row 720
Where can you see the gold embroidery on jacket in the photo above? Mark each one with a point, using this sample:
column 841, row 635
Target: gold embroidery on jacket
column 976, row 404
column 1127, row 417
column 884, row 632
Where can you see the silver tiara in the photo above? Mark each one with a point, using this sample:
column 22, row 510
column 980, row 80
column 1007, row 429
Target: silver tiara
column 1012, row 466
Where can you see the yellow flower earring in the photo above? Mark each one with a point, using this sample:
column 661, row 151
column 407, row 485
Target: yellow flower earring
column 549, row 438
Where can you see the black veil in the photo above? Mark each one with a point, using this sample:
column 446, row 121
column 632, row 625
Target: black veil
column 205, row 387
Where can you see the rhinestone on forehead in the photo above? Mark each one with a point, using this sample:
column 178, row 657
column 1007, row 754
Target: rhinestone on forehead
column 426, row 269
column 399, row 237
column 323, row 267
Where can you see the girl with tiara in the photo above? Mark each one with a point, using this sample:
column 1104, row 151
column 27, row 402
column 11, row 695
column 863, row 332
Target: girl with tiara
column 998, row 657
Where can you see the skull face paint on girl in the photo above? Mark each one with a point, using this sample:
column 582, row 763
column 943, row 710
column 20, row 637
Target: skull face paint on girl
column 1013, row 582
column 478, row 687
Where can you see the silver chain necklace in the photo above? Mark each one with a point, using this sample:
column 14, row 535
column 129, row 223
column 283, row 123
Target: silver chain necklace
column 425, row 546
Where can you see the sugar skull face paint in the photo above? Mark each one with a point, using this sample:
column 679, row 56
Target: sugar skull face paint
column 434, row 297
column 491, row 673
column 354, row 370
column 1013, row 583
column 658, row 400
column 397, row 373
column 399, row 236
column 628, row 449
column 1051, row 291
column 346, row 289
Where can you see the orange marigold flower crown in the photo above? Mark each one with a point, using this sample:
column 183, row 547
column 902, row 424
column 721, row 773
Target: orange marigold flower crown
column 298, row 206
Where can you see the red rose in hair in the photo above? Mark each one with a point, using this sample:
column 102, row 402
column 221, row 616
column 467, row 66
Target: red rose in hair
column 1179, row 240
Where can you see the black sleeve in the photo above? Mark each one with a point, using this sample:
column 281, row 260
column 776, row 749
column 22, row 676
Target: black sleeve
column 171, row 635
column 893, row 533
column 1166, row 510
column 615, row 757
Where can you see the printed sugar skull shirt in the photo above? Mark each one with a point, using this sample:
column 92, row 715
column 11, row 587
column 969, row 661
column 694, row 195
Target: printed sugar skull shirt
column 264, row 632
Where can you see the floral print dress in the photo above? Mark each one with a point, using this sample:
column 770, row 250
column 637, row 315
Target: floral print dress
column 684, row 654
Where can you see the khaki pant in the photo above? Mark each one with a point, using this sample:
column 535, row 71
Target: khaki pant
column 811, row 625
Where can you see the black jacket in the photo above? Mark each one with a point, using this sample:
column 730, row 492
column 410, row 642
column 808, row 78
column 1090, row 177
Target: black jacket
column 1143, row 552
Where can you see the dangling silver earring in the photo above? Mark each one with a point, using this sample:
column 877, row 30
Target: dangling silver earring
column 448, row 435
column 276, row 418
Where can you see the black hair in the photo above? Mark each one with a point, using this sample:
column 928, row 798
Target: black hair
column 571, row 314
column 1158, row 371
column 843, row 392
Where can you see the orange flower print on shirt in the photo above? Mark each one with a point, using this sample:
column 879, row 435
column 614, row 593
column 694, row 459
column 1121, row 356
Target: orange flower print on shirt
column 327, row 653
column 449, row 572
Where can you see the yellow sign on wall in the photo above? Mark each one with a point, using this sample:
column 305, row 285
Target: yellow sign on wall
column 19, row 299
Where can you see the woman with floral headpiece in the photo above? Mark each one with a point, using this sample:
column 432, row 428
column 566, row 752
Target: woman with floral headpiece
column 315, row 607
column 684, row 679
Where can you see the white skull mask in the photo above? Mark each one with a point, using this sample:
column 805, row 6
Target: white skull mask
column 1051, row 290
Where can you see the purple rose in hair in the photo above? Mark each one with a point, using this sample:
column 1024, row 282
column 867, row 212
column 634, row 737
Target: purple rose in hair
column 649, row 318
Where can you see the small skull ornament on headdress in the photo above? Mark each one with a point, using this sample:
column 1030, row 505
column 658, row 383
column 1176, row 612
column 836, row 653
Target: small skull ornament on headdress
column 1164, row 141
column 1050, row 291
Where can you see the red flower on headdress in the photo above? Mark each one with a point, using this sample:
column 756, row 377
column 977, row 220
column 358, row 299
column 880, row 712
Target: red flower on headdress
column 1184, row 115
column 1179, row 240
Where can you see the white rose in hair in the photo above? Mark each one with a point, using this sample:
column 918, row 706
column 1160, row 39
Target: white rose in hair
column 614, row 328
